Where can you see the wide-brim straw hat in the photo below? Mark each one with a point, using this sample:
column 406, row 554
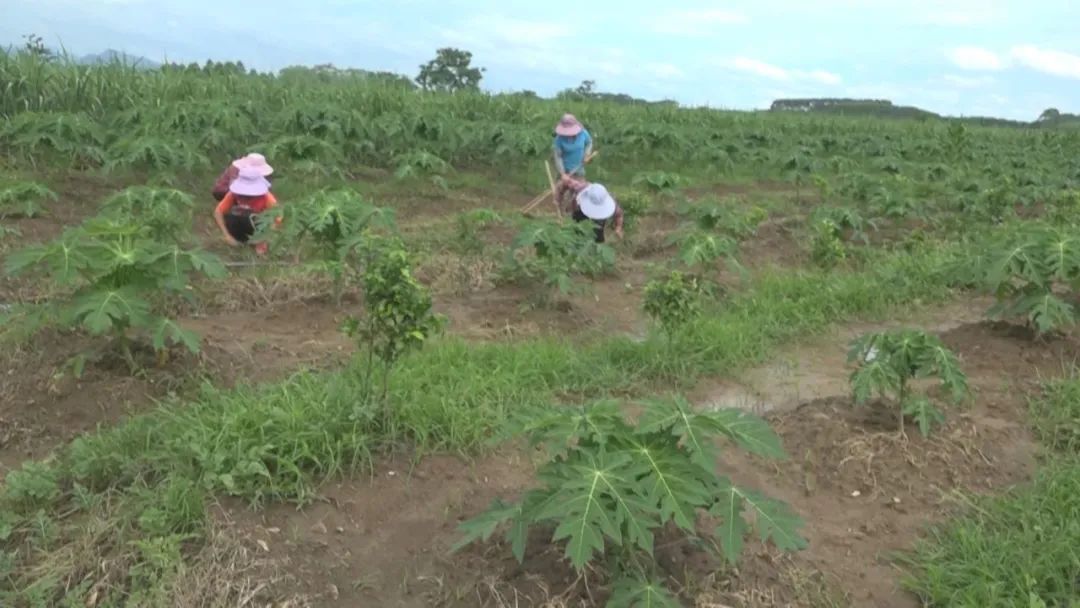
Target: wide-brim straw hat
column 596, row 203
column 568, row 126
column 254, row 161
column 250, row 182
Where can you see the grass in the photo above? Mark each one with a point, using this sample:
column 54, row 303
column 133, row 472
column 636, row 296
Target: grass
column 1057, row 417
column 146, row 481
column 1019, row 549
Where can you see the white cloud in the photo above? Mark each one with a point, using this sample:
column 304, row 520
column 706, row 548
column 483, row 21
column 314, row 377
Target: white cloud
column 695, row 23
column 760, row 68
column 663, row 70
column 1056, row 63
column 821, row 76
column 775, row 72
column 975, row 58
column 968, row 82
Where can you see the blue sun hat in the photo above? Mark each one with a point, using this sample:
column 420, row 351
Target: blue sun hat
column 595, row 202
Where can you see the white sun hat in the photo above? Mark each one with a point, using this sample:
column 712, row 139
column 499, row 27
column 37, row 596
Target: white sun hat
column 250, row 182
column 254, row 161
column 596, row 203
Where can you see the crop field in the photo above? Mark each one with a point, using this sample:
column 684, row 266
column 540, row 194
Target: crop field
column 831, row 362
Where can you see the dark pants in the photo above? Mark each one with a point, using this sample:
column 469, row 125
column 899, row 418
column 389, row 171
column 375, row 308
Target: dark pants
column 599, row 224
column 240, row 227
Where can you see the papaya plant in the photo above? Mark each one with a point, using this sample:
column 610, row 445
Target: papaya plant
column 611, row 485
column 331, row 222
column 657, row 181
column 888, row 361
column 23, row 199
column 558, row 252
column 731, row 216
column 117, row 280
column 1028, row 270
column 166, row 213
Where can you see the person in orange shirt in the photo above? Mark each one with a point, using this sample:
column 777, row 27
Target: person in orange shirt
column 251, row 161
column 249, row 195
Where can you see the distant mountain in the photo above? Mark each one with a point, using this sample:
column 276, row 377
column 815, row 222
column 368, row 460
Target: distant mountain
column 111, row 55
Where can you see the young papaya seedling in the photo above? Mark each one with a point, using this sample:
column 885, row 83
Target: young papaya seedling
column 888, row 361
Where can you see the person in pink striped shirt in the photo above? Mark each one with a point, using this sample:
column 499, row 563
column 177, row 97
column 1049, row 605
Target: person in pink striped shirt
column 593, row 202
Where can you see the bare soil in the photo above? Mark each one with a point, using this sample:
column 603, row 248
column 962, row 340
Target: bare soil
column 864, row 491
column 383, row 540
column 259, row 326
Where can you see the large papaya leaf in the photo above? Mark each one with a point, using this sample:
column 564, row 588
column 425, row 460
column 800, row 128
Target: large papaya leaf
column 676, row 486
column 580, row 505
column 675, row 416
column 168, row 331
column 773, row 519
column 63, row 258
column 108, row 310
column 748, row 431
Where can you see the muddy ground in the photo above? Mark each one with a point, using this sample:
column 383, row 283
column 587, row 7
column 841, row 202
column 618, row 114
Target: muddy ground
column 382, row 540
column 864, row 492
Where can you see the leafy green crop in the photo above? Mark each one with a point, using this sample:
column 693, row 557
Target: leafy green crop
column 166, row 213
column 399, row 316
column 333, row 222
column 887, row 363
column 658, row 181
column 611, row 486
column 116, row 276
column 673, row 302
column 731, row 216
column 23, row 199
column 1027, row 270
column 559, row 252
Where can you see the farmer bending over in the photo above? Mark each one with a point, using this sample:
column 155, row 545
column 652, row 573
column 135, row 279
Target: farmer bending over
column 572, row 147
column 249, row 195
column 594, row 202
column 251, row 161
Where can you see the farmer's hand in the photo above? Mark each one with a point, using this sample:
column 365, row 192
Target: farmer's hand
column 564, row 176
column 619, row 232
column 231, row 241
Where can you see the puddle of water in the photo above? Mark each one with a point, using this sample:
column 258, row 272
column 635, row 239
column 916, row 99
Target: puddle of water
column 818, row 369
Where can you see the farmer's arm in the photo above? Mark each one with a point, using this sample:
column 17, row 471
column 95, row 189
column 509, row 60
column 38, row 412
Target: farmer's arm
column 588, row 147
column 219, row 217
column 271, row 202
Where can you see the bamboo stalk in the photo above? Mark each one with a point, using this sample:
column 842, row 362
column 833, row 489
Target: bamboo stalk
column 536, row 201
column 554, row 192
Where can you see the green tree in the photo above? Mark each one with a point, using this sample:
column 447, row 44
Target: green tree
column 451, row 70
column 35, row 45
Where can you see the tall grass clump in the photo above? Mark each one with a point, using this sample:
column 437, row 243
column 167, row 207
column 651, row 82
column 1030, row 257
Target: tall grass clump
column 1021, row 548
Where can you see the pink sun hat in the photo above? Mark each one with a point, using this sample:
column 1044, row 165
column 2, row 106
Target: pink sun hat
column 569, row 126
column 254, row 161
column 250, row 182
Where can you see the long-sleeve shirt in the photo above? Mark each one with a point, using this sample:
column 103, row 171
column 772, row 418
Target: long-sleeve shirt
column 576, row 184
column 571, row 152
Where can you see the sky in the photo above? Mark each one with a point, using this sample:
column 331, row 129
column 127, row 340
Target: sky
column 1006, row 58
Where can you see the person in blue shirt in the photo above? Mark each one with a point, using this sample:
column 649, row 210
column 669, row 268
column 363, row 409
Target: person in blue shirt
column 572, row 147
